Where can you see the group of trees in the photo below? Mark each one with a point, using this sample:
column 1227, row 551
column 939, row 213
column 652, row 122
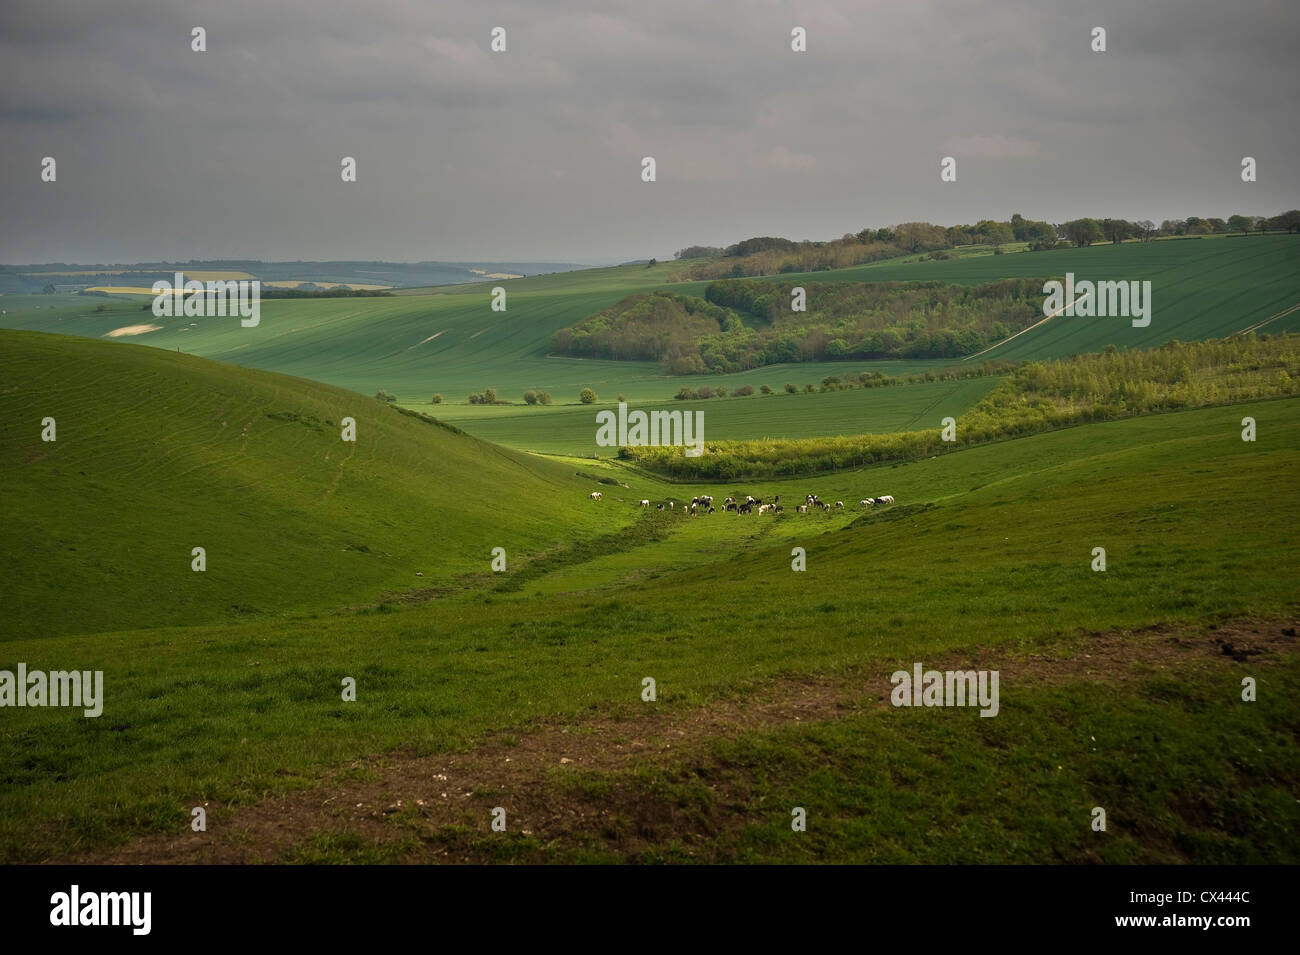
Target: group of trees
column 845, row 320
column 1084, row 232
column 744, row 391
column 770, row 255
column 854, row 320
column 657, row 326
column 488, row 396
column 850, row 381
column 1037, row 396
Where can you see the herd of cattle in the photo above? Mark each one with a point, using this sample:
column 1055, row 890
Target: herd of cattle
column 750, row 505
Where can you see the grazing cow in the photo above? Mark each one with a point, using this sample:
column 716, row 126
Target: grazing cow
column 887, row 499
column 595, row 495
column 744, row 508
column 728, row 502
column 802, row 508
column 645, row 502
column 693, row 507
column 659, row 507
column 711, row 509
column 777, row 509
column 839, row 503
column 764, row 508
column 866, row 502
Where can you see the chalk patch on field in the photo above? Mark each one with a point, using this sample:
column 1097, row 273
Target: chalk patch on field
column 427, row 340
column 126, row 330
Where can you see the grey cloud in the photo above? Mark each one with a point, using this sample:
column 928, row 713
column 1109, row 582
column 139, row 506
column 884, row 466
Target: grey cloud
column 535, row 153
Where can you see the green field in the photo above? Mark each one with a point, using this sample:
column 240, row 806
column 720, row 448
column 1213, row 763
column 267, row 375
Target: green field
column 572, row 430
column 983, row 561
column 157, row 453
column 1202, row 288
column 448, row 341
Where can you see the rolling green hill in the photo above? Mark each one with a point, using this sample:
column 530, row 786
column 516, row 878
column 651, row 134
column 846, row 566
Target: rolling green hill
column 158, row 453
column 985, row 560
column 448, row 341
column 1201, row 288
column 572, row 430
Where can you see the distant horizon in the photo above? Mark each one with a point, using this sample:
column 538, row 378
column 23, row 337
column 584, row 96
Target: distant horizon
column 293, row 261
column 594, row 262
column 307, row 134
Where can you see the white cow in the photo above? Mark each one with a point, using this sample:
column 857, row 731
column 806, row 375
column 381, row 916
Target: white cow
column 866, row 502
column 886, row 499
column 596, row 495
column 645, row 502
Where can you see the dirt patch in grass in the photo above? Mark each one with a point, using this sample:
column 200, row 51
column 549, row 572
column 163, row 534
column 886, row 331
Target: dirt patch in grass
column 553, row 777
column 129, row 330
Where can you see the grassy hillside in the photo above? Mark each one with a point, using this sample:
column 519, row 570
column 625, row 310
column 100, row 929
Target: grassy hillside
column 985, row 561
column 572, row 430
column 1201, row 288
column 157, row 453
column 1035, row 396
column 449, row 341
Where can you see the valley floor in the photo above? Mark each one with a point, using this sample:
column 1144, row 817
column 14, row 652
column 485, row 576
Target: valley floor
column 717, row 783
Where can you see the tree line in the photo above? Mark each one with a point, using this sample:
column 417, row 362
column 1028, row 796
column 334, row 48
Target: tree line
column 845, row 320
column 771, row 255
column 1035, row 397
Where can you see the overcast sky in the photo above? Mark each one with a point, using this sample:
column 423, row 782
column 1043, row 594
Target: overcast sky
column 535, row 153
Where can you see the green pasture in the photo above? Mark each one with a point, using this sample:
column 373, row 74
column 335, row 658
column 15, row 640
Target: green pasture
column 572, row 430
column 987, row 553
column 448, row 341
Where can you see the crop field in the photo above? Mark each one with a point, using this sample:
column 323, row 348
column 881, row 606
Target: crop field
column 448, row 341
column 1201, row 288
column 371, row 561
column 572, row 430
